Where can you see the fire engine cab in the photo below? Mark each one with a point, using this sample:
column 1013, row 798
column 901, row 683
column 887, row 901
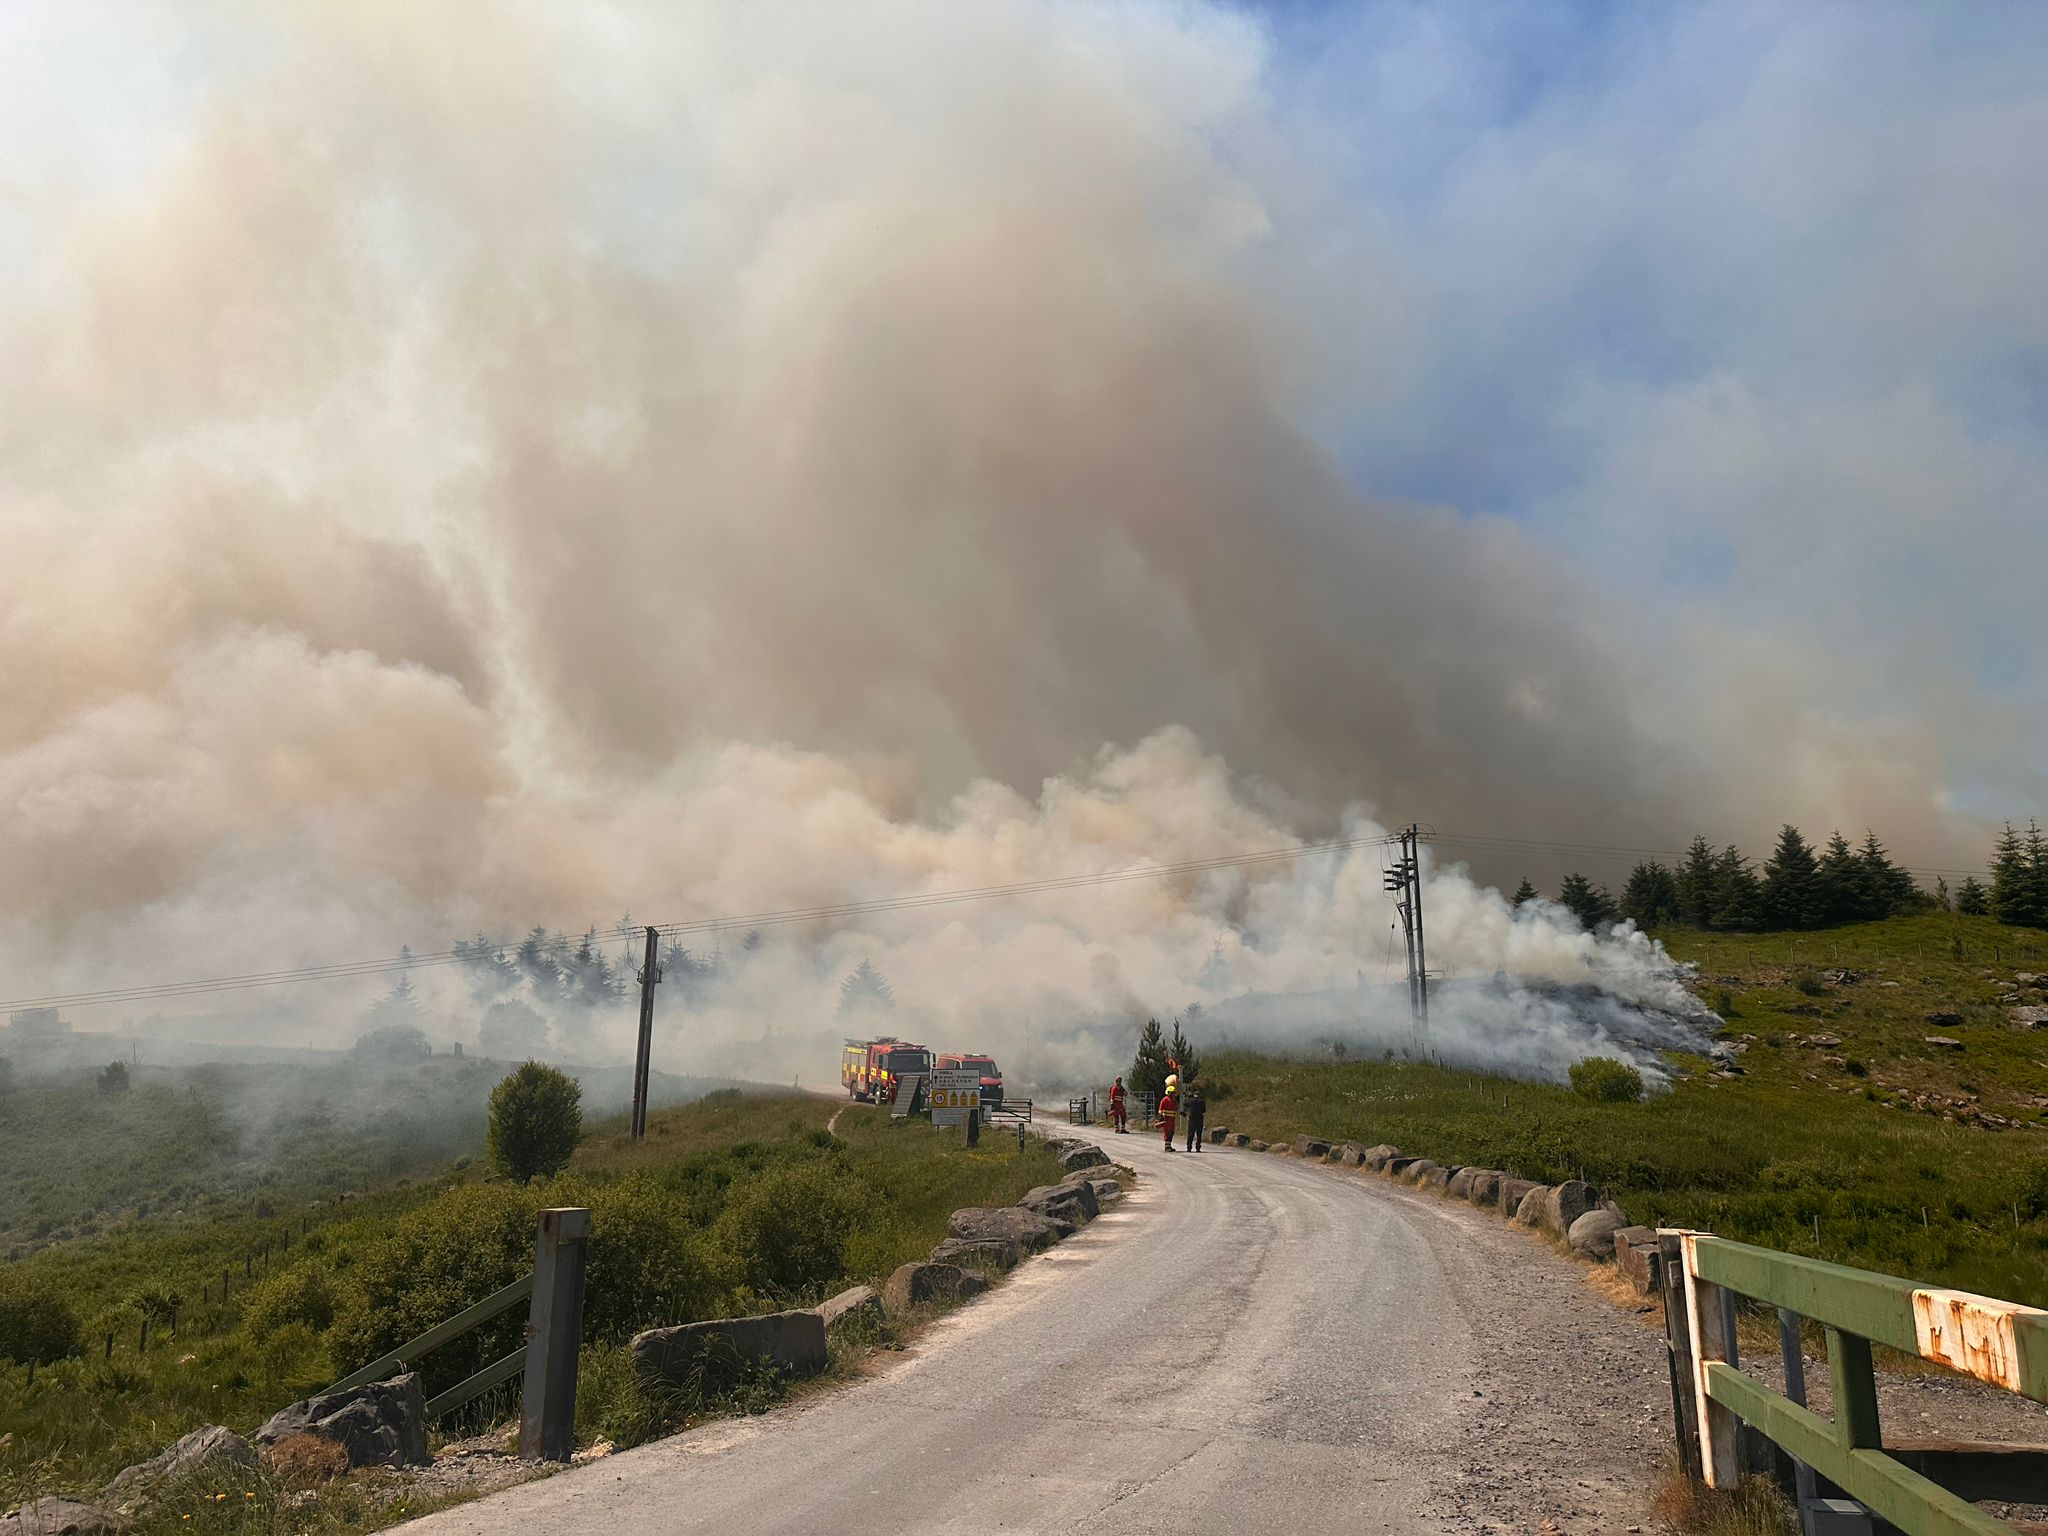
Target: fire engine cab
column 868, row 1069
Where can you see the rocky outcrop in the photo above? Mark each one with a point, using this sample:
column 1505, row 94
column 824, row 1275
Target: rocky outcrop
column 916, row 1284
column 1592, row 1235
column 1007, row 1224
column 209, row 1449
column 382, row 1424
column 61, row 1517
column 860, row 1301
column 724, row 1349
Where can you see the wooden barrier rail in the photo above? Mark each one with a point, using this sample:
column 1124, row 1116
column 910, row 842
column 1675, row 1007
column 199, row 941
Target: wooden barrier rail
column 1923, row 1488
column 554, row 1337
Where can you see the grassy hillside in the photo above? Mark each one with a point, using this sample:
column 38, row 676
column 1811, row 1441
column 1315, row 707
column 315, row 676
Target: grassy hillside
column 736, row 1204
column 1845, row 1134
column 227, row 1140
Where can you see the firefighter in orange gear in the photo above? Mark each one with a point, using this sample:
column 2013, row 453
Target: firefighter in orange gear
column 1169, row 1108
column 1119, row 1112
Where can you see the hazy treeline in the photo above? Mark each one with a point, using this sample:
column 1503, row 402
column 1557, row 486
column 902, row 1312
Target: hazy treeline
column 1801, row 887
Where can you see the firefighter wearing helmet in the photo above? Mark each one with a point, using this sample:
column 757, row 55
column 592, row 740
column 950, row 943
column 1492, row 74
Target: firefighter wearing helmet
column 1169, row 1107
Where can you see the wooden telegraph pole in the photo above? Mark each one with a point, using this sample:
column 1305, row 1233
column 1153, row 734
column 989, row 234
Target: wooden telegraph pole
column 650, row 974
column 1421, row 950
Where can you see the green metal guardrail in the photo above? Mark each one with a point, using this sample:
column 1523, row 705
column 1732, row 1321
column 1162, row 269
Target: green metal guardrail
column 1994, row 1341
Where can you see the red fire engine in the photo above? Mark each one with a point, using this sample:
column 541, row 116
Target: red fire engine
column 991, row 1074
column 868, row 1069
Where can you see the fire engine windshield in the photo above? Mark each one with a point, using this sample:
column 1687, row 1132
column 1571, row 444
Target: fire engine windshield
column 910, row 1061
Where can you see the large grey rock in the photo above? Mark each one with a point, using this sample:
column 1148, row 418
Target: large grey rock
column 1438, row 1179
column 1509, row 1199
column 1216, row 1135
column 1074, row 1202
column 1255, row 1145
column 1566, row 1204
column 915, row 1284
column 1351, row 1155
column 1105, row 1186
column 1397, row 1166
column 61, row 1517
column 211, row 1448
column 1417, row 1171
column 860, row 1301
column 1030, row 1230
column 1075, row 1154
column 985, row 1253
column 1530, row 1212
column 1592, row 1235
column 1239, row 1139
column 725, row 1348
column 382, row 1424
column 1484, row 1188
column 1377, row 1158
column 1310, row 1146
column 1460, row 1186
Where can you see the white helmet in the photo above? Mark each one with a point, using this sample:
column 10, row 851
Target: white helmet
column 1172, row 1082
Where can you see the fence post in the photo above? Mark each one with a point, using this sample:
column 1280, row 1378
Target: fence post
column 1711, row 1321
column 1678, row 1350
column 554, row 1335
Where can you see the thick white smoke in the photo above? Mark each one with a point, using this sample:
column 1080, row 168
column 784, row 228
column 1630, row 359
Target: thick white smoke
column 468, row 468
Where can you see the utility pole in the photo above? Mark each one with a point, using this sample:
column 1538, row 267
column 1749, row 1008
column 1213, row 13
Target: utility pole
column 1396, row 882
column 650, row 974
column 1415, row 895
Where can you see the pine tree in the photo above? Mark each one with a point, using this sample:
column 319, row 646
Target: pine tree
column 1738, row 894
column 1589, row 903
column 1891, row 888
column 1148, row 1070
column 1650, row 898
column 1791, row 878
column 1972, row 900
column 2012, row 881
column 1698, row 880
column 1189, row 1060
column 1524, row 893
column 2029, row 907
column 1840, row 884
column 865, row 990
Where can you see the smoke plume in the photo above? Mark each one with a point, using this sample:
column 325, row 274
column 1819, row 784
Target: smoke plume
column 468, row 468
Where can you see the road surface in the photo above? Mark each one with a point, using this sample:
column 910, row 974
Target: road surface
column 1248, row 1343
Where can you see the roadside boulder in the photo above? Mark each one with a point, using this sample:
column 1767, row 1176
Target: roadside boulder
column 1484, row 1187
column 724, row 1349
column 1239, row 1139
column 982, row 1253
column 1530, row 1212
column 1460, row 1186
column 1508, row 1199
column 1377, row 1158
column 914, row 1284
column 1105, row 1186
column 1417, row 1171
column 381, row 1424
column 1074, row 1154
column 1399, row 1164
column 1637, row 1256
column 1007, row 1224
column 1253, row 1146
column 1310, row 1146
column 860, row 1301
column 61, row 1517
column 1073, row 1199
column 1592, row 1235
column 1217, row 1135
column 211, row 1448
column 1438, row 1179
column 1351, row 1155
column 1565, row 1204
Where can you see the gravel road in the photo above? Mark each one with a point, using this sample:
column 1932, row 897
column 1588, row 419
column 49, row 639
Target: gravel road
column 1245, row 1344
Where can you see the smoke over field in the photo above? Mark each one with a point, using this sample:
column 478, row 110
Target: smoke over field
column 467, row 469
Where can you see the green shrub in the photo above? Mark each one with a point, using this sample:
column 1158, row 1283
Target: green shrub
column 1810, row 984
column 1606, row 1081
column 647, row 1265
column 786, row 1230
column 536, row 1121
column 37, row 1327
column 304, row 1294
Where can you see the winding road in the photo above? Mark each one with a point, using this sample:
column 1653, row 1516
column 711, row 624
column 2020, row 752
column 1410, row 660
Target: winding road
column 1247, row 1343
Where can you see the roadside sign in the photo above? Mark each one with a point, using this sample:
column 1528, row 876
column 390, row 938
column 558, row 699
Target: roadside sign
column 953, row 1092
